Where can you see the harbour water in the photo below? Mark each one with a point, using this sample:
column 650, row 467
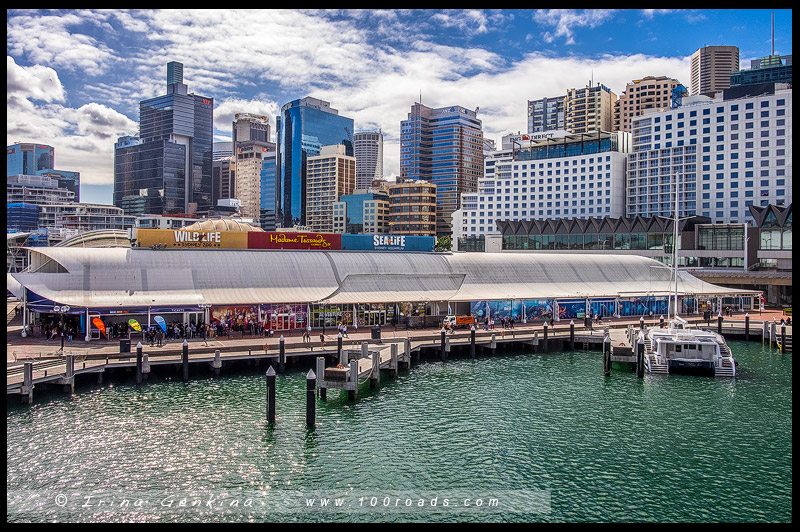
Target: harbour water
column 548, row 427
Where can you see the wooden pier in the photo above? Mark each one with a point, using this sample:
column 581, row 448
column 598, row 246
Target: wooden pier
column 344, row 368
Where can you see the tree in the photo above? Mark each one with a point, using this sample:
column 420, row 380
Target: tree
column 444, row 243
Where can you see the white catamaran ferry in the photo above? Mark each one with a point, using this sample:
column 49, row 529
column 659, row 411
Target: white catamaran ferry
column 679, row 349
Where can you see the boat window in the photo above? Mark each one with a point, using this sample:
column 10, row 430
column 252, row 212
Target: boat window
column 677, row 348
column 691, row 347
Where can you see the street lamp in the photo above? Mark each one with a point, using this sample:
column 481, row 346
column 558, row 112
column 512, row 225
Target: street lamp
column 61, row 310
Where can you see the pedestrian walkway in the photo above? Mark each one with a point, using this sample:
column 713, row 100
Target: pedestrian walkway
column 19, row 347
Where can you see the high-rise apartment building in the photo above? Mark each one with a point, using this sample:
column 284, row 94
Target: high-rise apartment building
column 302, row 128
column 730, row 154
column 251, row 134
column 167, row 168
column 651, row 92
column 412, row 208
column 368, row 150
column 443, row 146
column 223, row 179
column 589, row 109
column 329, row 175
column 711, row 69
column 546, row 114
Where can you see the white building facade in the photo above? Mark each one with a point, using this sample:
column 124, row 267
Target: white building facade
column 573, row 176
column 730, row 154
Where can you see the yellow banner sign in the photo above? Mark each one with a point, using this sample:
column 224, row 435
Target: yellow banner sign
column 191, row 239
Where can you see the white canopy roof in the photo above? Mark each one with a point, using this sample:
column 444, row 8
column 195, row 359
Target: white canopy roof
column 139, row 277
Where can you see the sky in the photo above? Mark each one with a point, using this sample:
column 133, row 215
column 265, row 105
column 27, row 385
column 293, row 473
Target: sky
column 75, row 77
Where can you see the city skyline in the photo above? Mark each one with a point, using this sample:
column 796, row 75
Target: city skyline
column 75, row 77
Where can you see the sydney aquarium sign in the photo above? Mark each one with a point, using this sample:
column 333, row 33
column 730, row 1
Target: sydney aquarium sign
column 387, row 243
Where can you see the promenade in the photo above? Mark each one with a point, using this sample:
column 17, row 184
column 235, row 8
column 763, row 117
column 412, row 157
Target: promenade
column 18, row 347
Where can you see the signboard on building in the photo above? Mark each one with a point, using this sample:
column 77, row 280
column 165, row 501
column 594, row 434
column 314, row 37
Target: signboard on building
column 292, row 240
column 191, row 239
column 388, row 243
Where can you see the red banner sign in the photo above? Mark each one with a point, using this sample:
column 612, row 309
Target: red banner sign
column 290, row 240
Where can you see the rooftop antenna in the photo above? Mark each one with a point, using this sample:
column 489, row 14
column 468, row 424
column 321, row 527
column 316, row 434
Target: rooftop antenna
column 773, row 33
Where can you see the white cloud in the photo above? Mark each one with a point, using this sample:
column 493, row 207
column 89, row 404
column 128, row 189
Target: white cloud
column 566, row 20
column 34, row 82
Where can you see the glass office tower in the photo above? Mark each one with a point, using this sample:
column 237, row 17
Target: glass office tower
column 268, row 192
column 29, row 158
column 175, row 123
column 303, row 127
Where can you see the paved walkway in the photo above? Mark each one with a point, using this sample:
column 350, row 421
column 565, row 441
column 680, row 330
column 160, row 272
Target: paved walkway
column 18, row 347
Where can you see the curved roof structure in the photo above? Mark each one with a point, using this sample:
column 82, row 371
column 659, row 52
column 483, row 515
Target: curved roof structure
column 99, row 238
column 220, row 224
column 122, row 278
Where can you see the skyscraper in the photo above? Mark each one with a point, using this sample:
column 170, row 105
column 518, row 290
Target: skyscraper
column 546, row 114
column 251, row 135
column 28, row 158
column 456, row 163
column 589, row 109
column 369, row 157
column 712, row 67
column 302, row 128
column 170, row 162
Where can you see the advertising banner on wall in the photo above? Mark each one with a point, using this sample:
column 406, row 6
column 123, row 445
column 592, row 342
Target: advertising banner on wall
column 292, row 240
column 571, row 308
column 191, row 239
column 538, row 309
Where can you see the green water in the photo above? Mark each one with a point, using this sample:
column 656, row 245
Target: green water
column 519, row 426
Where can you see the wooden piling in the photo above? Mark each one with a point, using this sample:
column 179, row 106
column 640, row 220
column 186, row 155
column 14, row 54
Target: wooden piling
column 185, row 360
column 339, row 346
column 375, row 375
column 544, row 347
column 719, row 323
column 443, row 354
column 747, row 326
column 217, row 362
column 282, row 354
column 27, row 383
column 607, row 356
column 139, row 363
column 394, row 364
column 311, row 405
column 472, row 341
column 353, row 377
column 783, row 338
column 640, row 356
column 571, row 335
column 271, row 395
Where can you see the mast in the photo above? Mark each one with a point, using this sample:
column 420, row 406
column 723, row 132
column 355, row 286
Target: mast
column 675, row 247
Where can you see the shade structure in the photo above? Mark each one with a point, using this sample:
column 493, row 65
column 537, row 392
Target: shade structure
column 137, row 277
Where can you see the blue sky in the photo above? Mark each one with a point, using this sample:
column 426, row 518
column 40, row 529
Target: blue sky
column 75, row 77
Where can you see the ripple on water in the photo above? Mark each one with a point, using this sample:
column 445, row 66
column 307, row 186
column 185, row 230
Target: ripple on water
column 677, row 448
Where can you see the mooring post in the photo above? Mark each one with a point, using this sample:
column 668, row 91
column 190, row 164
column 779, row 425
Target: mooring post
column 27, row 383
column 472, row 341
column 544, row 347
column 339, row 346
column 607, row 356
column 139, row 363
column 185, row 361
column 783, row 337
column 311, row 405
column 323, row 390
column 70, row 386
column 747, row 326
column 375, row 376
column 282, row 354
column 353, row 394
column 444, row 355
column 145, row 366
column 571, row 335
column 493, row 344
column 271, row 395
column 719, row 323
column 772, row 336
column 407, row 350
column 661, row 322
column 394, row 364
column 217, row 362
column 640, row 356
